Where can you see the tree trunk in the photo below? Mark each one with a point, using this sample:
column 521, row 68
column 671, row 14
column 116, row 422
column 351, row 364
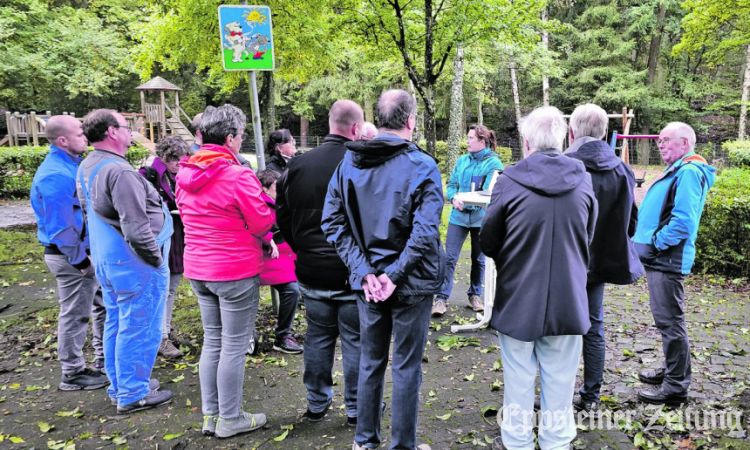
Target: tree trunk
column 653, row 52
column 516, row 105
column 545, row 45
column 745, row 97
column 368, row 110
column 304, row 128
column 480, row 115
column 270, row 101
column 457, row 109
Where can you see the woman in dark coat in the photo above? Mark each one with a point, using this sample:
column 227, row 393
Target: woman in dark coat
column 161, row 174
column 280, row 149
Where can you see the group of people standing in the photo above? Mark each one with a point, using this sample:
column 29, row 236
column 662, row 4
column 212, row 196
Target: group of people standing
column 357, row 222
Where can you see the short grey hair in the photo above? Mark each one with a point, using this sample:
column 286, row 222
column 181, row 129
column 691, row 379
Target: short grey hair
column 218, row 123
column 589, row 120
column 544, row 128
column 684, row 131
column 171, row 148
column 394, row 108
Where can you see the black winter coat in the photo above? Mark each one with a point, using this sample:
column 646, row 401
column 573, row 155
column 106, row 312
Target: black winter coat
column 613, row 256
column 382, row 213
column 538, row 228
column 300, row 194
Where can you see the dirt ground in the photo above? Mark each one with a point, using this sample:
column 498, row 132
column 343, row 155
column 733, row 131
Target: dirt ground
column 460, row 395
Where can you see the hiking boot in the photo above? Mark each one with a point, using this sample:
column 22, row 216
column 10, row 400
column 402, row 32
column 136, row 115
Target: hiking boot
column 316, row 416
column 209, row 425
column 152, row 400
column 476, row 303
column 439, row 308
column 245, row 423
column 85, row 379
column 287, row 344
column 168, row 350
column 651, row 376
column 153, row 385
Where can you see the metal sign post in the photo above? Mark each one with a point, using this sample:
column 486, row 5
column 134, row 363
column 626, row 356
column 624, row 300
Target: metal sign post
column 247, row 45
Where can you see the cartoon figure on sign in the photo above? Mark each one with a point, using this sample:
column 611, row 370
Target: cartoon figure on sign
column 237, row 40
column 259, row 42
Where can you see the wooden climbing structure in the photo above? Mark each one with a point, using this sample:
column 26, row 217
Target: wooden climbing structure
column 162, row 119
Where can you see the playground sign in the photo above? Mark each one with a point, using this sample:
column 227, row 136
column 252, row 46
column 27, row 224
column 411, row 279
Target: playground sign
column 246, row 40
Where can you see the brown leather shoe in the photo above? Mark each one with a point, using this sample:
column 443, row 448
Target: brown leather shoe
column 168, row 350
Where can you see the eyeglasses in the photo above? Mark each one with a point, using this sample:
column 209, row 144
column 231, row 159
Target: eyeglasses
column 667, row 140
column 127, row 127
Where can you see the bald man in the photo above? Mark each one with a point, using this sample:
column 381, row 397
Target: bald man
column 330, row 303
column 665, row 241
column 65, row 239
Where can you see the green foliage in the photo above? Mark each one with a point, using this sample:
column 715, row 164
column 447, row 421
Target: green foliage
column 738, row 153
column 19, row 164
column 441, row 153
column 723, row 245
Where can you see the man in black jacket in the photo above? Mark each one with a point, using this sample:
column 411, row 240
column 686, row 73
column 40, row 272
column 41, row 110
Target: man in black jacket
column 382, row 214
column 538, row 229
column 613, row 258
column 323, row 277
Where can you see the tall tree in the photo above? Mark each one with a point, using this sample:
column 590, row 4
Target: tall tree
column 455, row 130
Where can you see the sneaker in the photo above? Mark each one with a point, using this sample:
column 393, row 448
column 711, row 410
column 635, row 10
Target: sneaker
column 85, row 379
column 153, row 385
column 252, row 346
column 651, row 376
column 152, row 400
column 439, row 308
column 245, row 423
column 168, row 350
column 287, row 344
column 588, row 406
column 209, row 425
column 476, row 303
column 316, row 416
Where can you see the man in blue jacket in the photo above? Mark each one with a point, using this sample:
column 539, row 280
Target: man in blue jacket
column 665, row 240
column 62, row 233
column 382, row 214
column 612, row 255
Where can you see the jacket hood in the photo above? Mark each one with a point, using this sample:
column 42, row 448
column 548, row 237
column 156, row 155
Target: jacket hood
column 377, row 151
column 205, row 165
column 597, row 156
column 548, row 172
column 700, row 162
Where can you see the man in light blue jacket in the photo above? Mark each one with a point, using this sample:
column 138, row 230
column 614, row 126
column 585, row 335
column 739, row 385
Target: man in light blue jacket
column 61, row 231
column 665, row 241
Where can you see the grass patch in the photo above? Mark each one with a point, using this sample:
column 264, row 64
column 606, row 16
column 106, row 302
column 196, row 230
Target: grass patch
column 19, row 247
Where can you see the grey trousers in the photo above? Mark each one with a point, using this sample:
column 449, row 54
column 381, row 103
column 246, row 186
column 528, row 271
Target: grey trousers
column 228, row 311
column 174, row 281
column 80, row 298
column 667, row 298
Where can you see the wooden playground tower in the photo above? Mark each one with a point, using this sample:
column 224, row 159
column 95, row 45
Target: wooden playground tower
column 160, row 119
column 167, row 118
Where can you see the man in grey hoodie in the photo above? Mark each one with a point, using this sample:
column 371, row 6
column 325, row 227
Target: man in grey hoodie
column 538, row 228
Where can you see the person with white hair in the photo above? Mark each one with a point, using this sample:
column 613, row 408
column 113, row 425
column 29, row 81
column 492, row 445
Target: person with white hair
column 538, row 228
column 613, row 258
column 368, row 131
column 665, row 240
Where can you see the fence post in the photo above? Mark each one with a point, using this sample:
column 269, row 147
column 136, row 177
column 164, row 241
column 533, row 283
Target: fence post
column 32, row 125
column 9, row 124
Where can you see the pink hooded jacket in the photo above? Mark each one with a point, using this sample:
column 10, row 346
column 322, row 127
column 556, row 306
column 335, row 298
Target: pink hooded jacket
column 224, row 216
column 277, row 270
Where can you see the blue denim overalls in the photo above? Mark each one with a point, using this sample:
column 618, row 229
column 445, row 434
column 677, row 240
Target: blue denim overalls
column 134, row 296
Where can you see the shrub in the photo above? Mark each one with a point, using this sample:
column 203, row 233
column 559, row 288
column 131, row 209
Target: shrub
column 723, row 245
column 19, row 164
column 738, row 153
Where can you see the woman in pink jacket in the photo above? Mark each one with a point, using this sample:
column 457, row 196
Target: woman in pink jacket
column 225, row 219
column 278, row 272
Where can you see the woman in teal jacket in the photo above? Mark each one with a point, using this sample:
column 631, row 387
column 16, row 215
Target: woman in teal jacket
column 473, row 172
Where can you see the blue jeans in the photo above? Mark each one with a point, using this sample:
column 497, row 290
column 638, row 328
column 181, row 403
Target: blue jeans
column 407, row 319
column 556, row 358
column 330, row 314
column 288, row 299
column 228, row 312
column 593, row 345
column 453, row 243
